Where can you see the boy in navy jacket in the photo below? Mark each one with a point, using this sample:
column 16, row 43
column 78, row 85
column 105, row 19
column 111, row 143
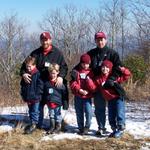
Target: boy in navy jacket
column 31, row 93
column 55, row 96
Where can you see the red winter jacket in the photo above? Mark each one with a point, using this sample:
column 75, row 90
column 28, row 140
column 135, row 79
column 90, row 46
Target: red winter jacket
column 80, row 82
column 108, row 94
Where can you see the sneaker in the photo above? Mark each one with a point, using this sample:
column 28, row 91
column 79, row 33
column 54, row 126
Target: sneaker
column 85, row 130
column 57, row 128
column 81, row 132
column 118, row 134
column 112, row 134
column 99, row 132
column 30, row 128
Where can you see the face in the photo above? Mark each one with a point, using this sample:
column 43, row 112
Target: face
column 30, row 67
column 101, row 42
column 105, row 70
column 46, row 43
column 53, row 74
column 85, row 66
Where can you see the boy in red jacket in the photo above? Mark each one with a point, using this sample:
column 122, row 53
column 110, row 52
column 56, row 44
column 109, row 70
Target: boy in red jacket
column 82, row 98
column 114, row 94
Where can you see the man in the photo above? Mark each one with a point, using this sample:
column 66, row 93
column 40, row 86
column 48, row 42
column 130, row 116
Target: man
column 98, row 55
column 45, row 55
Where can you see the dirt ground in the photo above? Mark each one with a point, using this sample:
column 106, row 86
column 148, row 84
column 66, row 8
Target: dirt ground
column 15, row 140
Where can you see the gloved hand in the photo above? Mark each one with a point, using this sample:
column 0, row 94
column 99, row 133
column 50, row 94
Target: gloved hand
column 120, row 90
column 108, row 84
column 65, row 105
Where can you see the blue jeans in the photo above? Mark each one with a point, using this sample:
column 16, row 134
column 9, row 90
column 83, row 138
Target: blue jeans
column 34, row 112
column 116, row 113
column 41, row 113
column 100, row 110
column 83, row 106
column 55, row 113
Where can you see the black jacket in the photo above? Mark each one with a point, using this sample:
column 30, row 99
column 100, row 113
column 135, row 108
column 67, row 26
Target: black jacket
column 98, row 55
column 32, row 91
column 54, row 56
column 55, row 94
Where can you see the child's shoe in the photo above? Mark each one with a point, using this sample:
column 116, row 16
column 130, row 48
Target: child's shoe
column 101, row 132
column 52, row 127
column 81, row 132
column 118, row 134
column 86, row 130
column 30, row 128
column 57, row 127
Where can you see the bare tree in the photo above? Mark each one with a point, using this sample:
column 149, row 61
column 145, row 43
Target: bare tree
column 70, row 29
column 141, row 14
column 113, row 20
column 11, row 38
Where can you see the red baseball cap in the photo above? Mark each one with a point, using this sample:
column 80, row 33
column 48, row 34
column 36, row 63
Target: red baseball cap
column 45, row 36
column 100, row 35
column 108, row 64
column 85, row 58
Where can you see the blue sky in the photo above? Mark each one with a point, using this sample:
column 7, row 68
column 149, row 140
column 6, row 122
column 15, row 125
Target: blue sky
column 33, row 10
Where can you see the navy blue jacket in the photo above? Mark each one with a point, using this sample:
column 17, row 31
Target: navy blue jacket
column 55, row 94
column 32, row 91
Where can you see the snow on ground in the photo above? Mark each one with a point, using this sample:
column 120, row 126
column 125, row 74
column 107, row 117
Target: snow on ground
column 137, row 121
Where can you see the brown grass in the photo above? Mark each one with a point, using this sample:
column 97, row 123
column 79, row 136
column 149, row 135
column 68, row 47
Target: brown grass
column 17, row 140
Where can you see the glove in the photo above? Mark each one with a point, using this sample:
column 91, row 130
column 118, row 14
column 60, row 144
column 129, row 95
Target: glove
column 65, row 105
column 74, row 75
column 108, row 84
column 119, row 89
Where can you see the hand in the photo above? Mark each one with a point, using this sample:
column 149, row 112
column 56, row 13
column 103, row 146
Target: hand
column 83, row 92
column 27, row 77
column 108, row 84
column 59, row 81
column 122, row 68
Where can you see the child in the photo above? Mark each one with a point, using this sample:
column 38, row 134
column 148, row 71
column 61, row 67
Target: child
column 114, row 94
column 55, row 98
column 82, row 98
column 31, row 93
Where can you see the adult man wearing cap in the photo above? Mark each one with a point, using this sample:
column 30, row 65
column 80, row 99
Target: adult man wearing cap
column 45, row 55
column 98, row 55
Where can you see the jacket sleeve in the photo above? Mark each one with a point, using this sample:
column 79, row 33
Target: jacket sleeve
column 126, row 74
column 91, row 85
column 63, row 67
column 65, row 98
column 115, row 59
column 40, row 87
column 23, row 69
column 74, row 86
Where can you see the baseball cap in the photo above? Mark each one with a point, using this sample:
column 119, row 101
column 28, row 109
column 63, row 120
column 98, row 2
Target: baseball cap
column 45, row 36
column 100, row 35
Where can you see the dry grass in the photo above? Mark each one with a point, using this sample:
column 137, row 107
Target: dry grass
column 138, row 92
column 17, row 140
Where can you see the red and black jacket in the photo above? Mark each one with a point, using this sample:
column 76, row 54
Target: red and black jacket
column 109, row 93
column 80, row 83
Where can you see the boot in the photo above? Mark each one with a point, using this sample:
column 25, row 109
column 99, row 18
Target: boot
column 57, row 127
column 29, row 129
column 52, row 126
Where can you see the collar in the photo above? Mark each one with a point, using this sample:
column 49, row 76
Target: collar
column 33, row 71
